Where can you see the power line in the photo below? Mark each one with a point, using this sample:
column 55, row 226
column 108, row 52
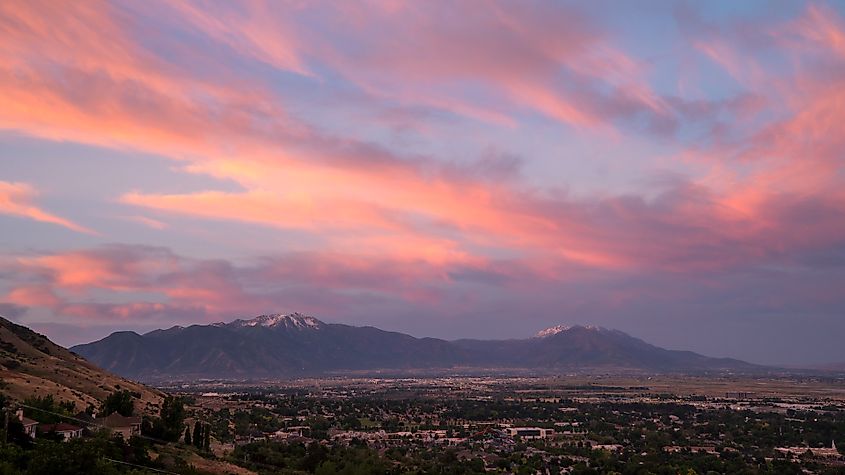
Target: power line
column 86, row 422
column 139, row 466
column 36, row 442
column 165, row 442
column 89, row 423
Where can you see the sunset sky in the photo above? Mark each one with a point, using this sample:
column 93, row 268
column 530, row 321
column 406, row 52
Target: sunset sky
column 450, row 169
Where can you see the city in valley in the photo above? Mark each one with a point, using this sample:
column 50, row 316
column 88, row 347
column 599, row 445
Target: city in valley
column 63, row 414
column 60, row 410
column 566, row 424
column 578, row 424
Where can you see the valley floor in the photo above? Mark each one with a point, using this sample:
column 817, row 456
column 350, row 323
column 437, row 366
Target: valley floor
column 576, row 424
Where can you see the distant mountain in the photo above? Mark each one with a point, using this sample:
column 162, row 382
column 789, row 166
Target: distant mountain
column 31, row 364
column 295, row 345
column 266, row 346
column 590, row 347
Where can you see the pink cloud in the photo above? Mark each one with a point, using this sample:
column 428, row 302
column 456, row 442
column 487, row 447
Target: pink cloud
column 250, row 28
column 149, row 284
column 16, row 199
column 148, row 222
column 404, row 224
column 33, row 296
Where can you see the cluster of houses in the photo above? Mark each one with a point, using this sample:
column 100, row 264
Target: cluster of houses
column 497, row 434
column 385, row 438
column 815, row 452
column 818, row 452
column 84, row 424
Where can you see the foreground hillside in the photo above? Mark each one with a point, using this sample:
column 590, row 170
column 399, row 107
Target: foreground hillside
column 292, row 345
column 30, row 364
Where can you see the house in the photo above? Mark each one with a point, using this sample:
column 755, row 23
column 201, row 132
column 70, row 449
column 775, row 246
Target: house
column 87, row 422
column 739, row 395
column 825, row 452
column 65, row 430
column 530, row 432
column 494, row 439
column 84, row 417
column 123, row 426
column 29, row 425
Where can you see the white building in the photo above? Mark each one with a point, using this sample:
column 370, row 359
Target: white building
column 530, row 432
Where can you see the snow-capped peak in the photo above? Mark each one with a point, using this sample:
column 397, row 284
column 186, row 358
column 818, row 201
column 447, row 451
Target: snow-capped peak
column 552, row 331
column 293, row 321
column 563, row 328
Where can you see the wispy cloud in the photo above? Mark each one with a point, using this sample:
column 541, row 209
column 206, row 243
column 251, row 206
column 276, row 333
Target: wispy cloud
column 17, row 199
column 356, row 139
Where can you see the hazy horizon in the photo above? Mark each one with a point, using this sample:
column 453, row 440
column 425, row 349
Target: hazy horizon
column 673, row 170
column 78, row 336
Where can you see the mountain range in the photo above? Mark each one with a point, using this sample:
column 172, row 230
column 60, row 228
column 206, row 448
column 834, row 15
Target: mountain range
column 280, row 346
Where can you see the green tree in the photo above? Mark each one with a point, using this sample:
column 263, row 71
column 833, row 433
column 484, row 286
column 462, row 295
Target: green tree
column 75, row 457
column 188, row 436
column 206, row 444
column 119, row 402
column 46, row 409
column 198, row 435
column 168, row 426
column 16, row 433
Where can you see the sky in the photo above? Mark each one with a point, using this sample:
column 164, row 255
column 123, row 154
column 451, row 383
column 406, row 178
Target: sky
column 452, row 169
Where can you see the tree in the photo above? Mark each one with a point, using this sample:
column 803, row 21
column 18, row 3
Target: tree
column 168, row 426
column 206, row 445
column 15, row 433
column 187, row 436
column 46, row 409
column 73, row 457
column 119, row 402
column 198, row 439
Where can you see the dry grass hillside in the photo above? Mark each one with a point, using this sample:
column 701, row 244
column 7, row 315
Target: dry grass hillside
column 31, row 364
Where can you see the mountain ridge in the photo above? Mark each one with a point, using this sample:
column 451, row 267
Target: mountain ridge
column 32, row 364
column 291, row 345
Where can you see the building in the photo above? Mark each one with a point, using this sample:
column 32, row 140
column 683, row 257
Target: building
column 739, row 395
column 825, row 452
column 123, row 426
column 530, row 432
column 65, row 430
column 85, row 418
column 294, row 431
column 495, row 439
column 29, row 425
